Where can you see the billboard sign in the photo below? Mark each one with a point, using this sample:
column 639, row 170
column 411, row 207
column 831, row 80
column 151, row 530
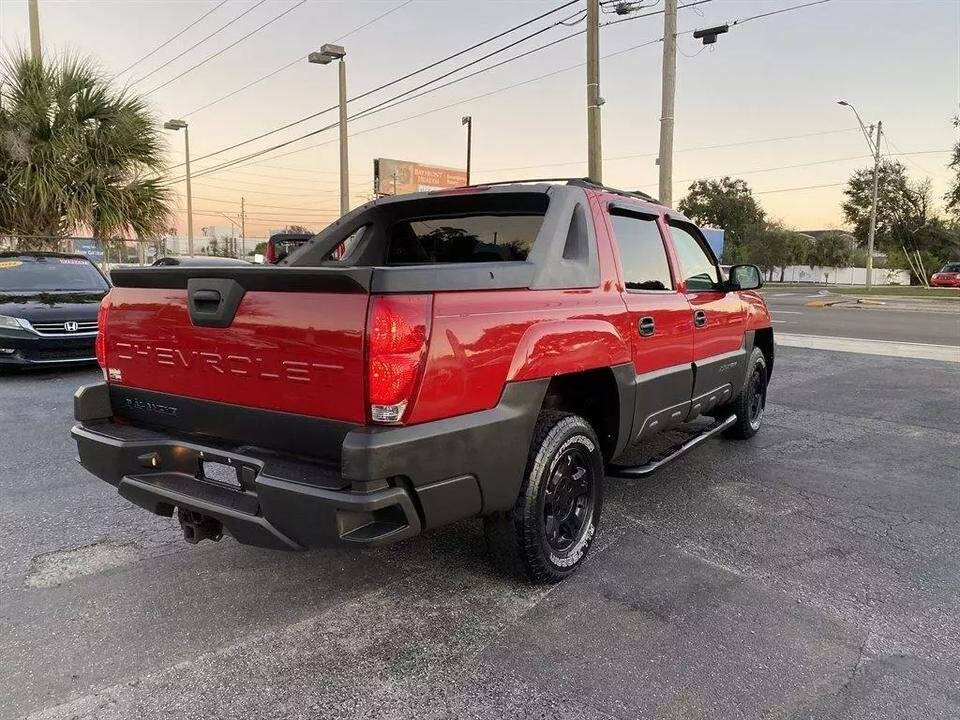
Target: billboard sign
column 397, row 177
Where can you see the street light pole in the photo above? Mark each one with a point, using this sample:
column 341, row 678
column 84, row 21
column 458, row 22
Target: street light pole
column 344, row 166
column 181, row 125
column 468, row 121
column 875, row 151
column 324, row 56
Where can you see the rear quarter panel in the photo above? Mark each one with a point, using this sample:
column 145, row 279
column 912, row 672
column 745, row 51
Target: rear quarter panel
column 482, row 340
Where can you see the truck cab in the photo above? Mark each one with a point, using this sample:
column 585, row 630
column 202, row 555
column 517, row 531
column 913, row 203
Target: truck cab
column 491, row 351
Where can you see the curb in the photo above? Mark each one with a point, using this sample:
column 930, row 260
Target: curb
column 827, row 303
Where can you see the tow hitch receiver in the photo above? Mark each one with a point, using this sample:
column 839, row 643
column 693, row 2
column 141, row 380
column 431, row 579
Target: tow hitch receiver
column 197, row 527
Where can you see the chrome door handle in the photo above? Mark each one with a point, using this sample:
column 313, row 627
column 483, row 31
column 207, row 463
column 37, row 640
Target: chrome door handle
column 647, row 326
column 699, row 318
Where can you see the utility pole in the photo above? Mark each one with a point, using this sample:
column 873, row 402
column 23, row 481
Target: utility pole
column 468, row 121
column 873, row 209
column 594, row 101
column 668, row 92
column 34, row 31
column 243, row 226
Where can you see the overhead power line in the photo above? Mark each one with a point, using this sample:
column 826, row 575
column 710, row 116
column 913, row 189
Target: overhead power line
column 231, row 45
column 199, row 43
column 804, row 187
column 379, row 107
column 164, row 44
column 298, row 59
column 395, row 81
column 680, row 150
column 400, row 98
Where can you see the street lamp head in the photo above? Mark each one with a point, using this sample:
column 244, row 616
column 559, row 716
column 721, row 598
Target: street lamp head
column 842, row 102
column 466, row 119
column 327, row 54
column 174, row 124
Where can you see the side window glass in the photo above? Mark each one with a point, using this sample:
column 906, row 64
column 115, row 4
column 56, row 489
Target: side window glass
column 697, row 268
column 348, row 243
column 642, row 254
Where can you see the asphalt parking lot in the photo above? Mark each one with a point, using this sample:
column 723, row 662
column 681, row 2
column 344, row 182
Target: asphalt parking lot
column 813, row 572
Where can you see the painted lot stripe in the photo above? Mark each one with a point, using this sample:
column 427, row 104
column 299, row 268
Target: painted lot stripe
column 919, row 351
column 787, row 312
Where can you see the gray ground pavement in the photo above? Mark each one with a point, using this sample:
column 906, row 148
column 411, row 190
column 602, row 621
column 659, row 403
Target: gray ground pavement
column 813, row 572
column 935, row 322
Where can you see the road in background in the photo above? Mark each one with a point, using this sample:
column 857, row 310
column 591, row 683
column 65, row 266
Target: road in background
column 810, row 572
column 792, row 314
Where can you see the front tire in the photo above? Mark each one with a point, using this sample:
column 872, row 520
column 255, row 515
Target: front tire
column 750, row 402
column 551, row 527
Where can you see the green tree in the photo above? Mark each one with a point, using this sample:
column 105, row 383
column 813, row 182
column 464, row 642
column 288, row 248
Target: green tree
column 75, row 153
column 903, row 206
column 952, row 198
column 829, row 250
column 728, row 204
column 774, row 247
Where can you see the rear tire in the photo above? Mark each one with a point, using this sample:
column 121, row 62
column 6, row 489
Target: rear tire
column 551, row 527
column 750, row 402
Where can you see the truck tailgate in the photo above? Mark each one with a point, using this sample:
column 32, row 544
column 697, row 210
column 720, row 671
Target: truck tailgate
column 291, row 345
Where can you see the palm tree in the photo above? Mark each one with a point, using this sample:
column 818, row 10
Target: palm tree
column 76, row 153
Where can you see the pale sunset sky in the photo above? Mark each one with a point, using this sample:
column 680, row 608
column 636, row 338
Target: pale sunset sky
column 773, row 77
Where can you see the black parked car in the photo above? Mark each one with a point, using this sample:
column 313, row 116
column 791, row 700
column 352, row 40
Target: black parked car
column 48, row 308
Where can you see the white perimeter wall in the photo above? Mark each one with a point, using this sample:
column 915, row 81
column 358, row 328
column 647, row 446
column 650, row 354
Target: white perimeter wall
column 841, row 276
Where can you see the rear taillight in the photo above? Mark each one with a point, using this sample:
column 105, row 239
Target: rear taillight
column 101, row 341
column 397, row 332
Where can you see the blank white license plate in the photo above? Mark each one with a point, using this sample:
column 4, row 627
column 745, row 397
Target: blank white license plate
column 221, row 473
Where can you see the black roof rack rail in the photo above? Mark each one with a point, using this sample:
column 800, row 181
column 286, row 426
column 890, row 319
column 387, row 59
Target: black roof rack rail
column 576, row 181
column 587, row 182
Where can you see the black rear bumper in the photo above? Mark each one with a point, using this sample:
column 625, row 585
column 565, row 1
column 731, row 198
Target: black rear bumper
column 391, row 482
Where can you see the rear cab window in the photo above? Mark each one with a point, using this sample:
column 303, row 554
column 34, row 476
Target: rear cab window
column 465, row 239
column 459, row 228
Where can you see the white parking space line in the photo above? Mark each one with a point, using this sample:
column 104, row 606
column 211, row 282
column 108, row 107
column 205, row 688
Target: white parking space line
column 787, row 312
column 890, row 348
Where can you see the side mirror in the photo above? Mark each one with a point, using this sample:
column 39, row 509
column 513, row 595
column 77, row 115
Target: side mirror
column 745, row 277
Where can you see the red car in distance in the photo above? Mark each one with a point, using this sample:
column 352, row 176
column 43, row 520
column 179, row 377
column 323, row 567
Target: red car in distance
column 949, row 276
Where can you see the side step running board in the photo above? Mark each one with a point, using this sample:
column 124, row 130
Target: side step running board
column 658, row 461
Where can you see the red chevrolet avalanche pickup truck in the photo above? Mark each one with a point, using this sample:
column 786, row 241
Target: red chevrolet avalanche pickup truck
column 490, row 351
